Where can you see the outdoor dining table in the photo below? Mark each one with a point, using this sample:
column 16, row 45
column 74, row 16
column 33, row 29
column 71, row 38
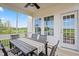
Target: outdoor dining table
column 40, row 46
column 24, row 47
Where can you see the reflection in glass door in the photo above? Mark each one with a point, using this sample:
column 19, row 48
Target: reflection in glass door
column 69, row 39
column 69, row 29
column 38, row 26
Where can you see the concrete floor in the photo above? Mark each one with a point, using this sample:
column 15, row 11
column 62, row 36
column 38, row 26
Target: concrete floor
column 59, row 52
column 66, row 52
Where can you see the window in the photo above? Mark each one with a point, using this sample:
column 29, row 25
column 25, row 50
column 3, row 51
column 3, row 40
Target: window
column 69, row 29
column 38, row 25
column 48, row 25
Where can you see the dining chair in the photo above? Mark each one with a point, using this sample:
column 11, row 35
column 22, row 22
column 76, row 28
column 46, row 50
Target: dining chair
column 34, row 37
column 42, row 39
column 13, row 51
column 14, row 36
column 53, row 50
column 4, row 50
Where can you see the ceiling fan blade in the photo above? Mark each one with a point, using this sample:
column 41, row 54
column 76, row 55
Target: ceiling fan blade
column 27, row 4
column 37, row 6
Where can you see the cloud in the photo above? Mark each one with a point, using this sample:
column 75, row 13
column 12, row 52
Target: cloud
column 2, row 18
column 1, row 9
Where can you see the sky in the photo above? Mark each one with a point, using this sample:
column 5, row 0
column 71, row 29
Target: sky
column 10, row 15
column 69, row 23
column 7, row 14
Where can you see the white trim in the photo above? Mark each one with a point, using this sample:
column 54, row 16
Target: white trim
column 16, row 22
column 65, row 44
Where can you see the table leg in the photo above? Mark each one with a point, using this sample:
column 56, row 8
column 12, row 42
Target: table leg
column 46, row 50
column 31, row 54
column 10, row 45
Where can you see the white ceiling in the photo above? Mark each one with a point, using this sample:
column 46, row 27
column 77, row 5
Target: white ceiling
column 30, row 10
column 21, row 6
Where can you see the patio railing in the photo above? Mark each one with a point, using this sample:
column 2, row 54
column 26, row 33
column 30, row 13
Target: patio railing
column 5, row 42
column 4, row 39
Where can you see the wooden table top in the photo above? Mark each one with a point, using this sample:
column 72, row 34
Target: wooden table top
column 24, row 47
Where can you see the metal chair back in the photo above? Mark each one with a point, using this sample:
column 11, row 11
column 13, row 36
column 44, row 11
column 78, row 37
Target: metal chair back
column 15, row 36
column 42, row 39
column 4, row 50
column 34, row 37
column 54, row 48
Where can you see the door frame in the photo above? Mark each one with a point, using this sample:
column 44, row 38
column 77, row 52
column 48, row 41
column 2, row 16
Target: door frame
column 66, row 45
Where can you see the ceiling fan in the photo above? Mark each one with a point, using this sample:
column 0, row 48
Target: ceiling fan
column 32, row 5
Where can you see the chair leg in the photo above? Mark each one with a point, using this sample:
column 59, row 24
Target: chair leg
column 5, row 53
column 46, row 51
column 33, row 53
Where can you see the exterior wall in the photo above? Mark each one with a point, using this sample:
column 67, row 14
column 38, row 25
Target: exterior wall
column 78, row 31
column 57, row 12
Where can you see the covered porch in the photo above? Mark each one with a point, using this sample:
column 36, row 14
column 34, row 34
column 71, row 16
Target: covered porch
column 56, row 21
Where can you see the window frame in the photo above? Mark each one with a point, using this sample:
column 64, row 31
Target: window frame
column 39, row 25
column 47, row 26
column 69, row 33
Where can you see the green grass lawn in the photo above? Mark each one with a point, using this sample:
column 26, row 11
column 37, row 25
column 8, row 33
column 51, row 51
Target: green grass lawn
column 69, row 33
column 13, row 31
column 5, row 42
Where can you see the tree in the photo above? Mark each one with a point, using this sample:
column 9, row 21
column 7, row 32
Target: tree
column 1, row 26
column 5, row 27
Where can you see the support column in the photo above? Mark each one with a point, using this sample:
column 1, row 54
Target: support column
column 42, row 26
column 29, row 26
column 16, row 22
